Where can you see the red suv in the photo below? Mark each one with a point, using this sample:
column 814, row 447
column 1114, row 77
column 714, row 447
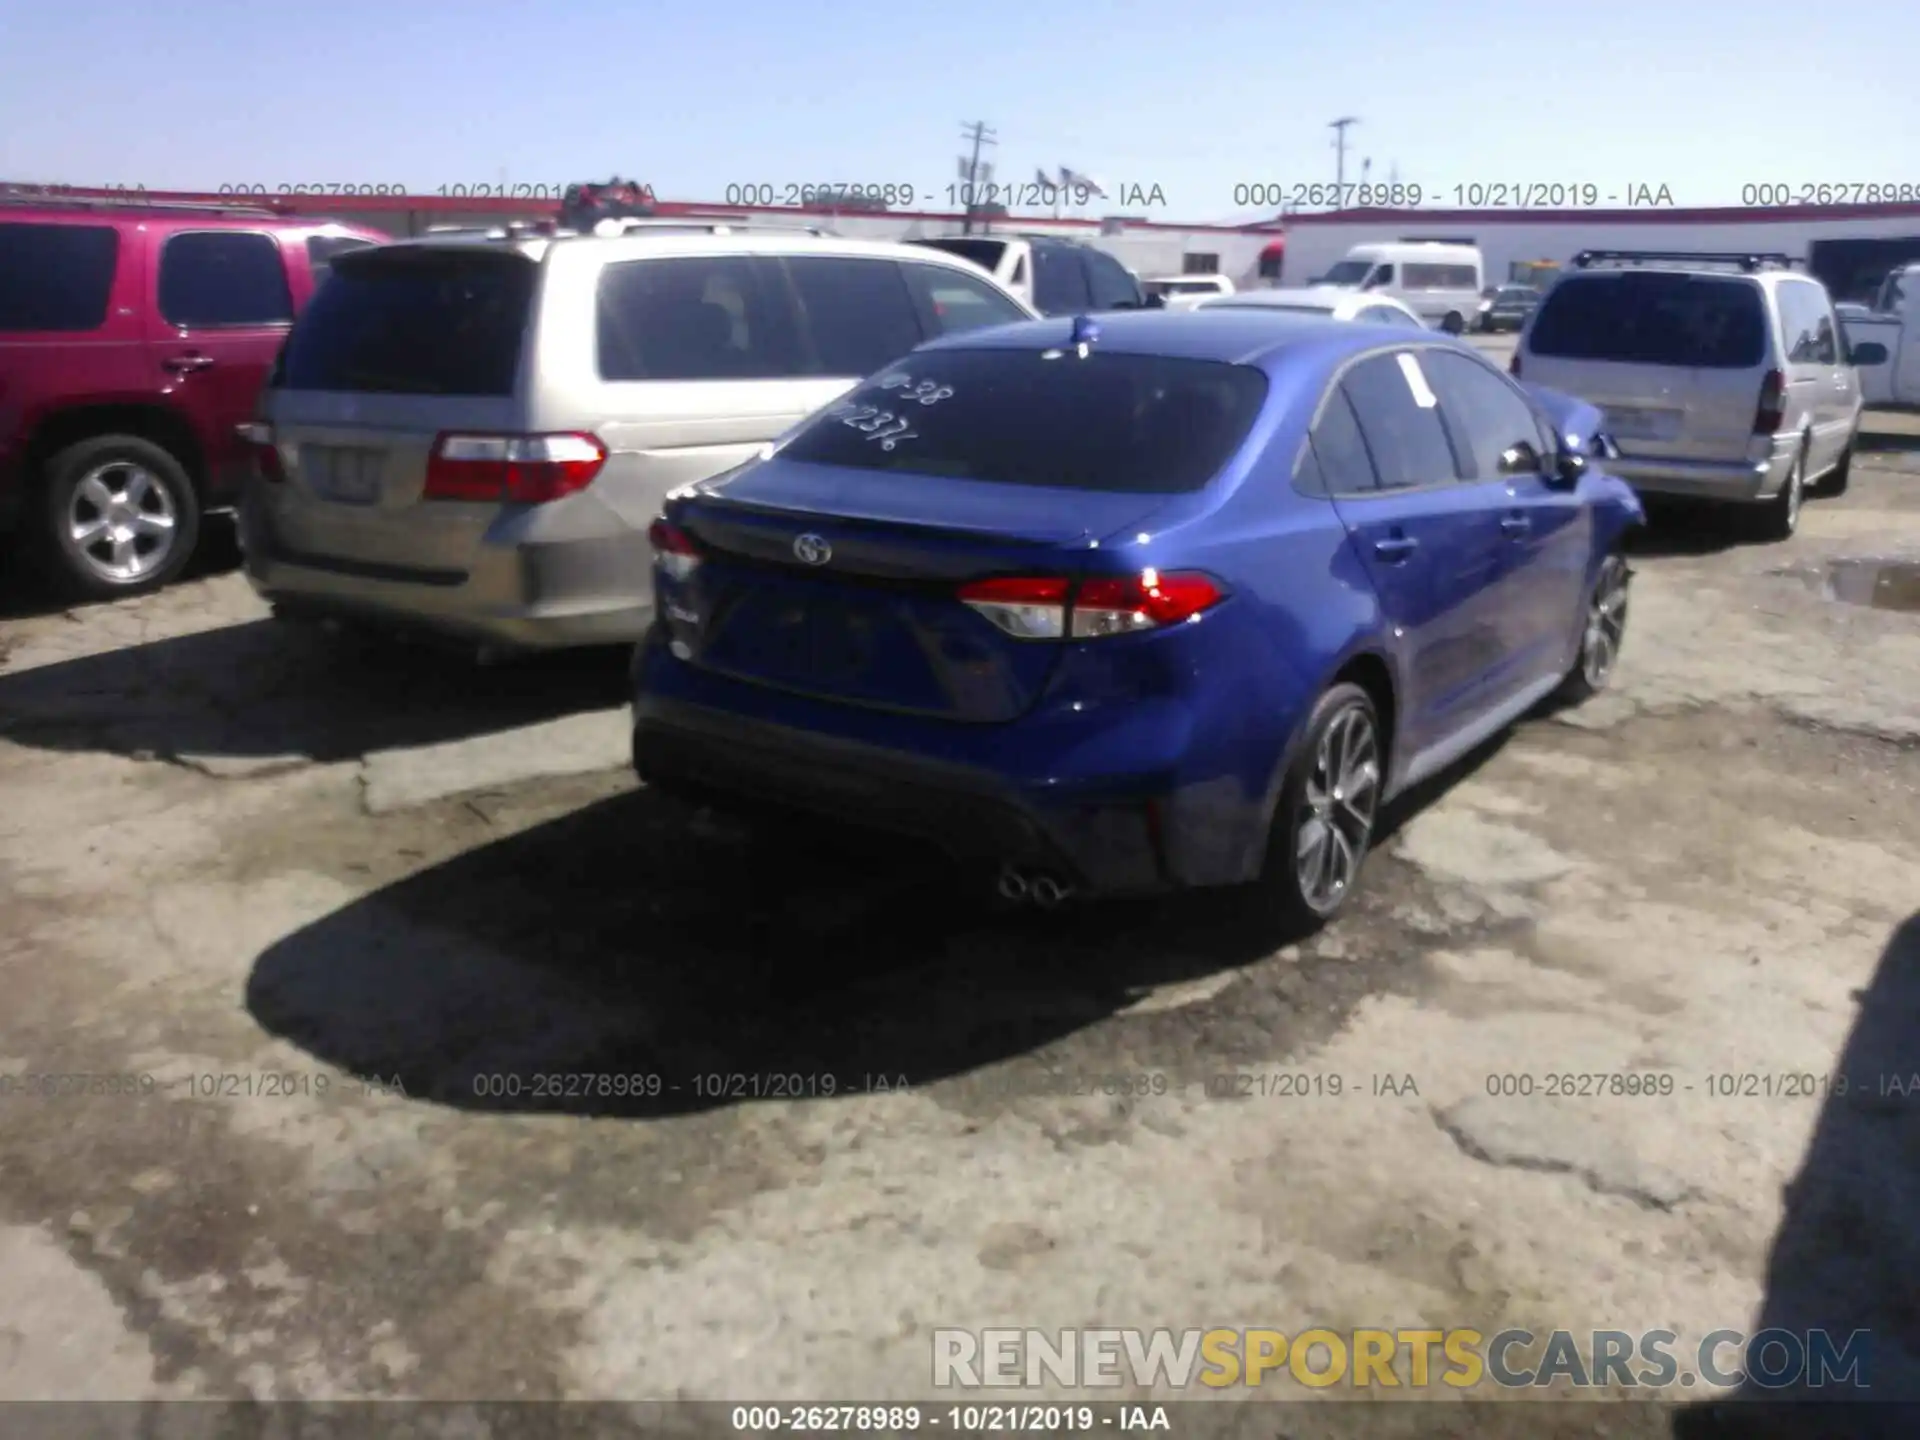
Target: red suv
column 134, row 340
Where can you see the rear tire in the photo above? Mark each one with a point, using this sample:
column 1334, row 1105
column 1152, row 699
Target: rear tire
column 118, row 516
column 1329, row 805
column 1453, row 324
column 1779, row 518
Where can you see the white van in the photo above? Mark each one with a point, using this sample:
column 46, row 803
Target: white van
column 1440, row 283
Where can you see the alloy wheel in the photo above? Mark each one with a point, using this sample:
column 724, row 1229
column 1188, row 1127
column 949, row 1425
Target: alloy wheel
column 1337, row 808
column 1606, row 623
column 121, row 522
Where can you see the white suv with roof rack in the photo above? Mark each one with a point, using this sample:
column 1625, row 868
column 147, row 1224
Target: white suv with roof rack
column 470, row 432
column 1723, row 377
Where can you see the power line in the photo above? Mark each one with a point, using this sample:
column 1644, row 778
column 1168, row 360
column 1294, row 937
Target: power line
column 1339, row 128
column 979, row 134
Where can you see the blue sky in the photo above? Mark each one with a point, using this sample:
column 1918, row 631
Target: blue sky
column 1196, row 100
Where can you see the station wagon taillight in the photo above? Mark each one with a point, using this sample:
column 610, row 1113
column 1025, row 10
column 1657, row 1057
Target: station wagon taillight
column 1772, row 411
column 673, row 549
column 257, row 436
column 515, row 469
column 1050, row 607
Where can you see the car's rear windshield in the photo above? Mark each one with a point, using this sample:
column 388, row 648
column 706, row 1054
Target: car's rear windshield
column 1713, row 322
column 984, row 253
column 414, row 321
column 1144, row 424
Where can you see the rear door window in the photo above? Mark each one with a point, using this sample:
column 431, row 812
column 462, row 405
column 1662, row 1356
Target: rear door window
column 1710, row 322
column 856, row 314
column 1806, row 319
column 950, row 300
column 1060, row 281
column 419, row 321
column 1141, row 424
column 223, row 278
column 1399, row 417
column 56, row 277
column 708, row 317
column 1344, row 466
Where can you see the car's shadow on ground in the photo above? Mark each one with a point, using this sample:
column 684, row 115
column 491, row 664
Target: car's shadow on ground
column 265, row 689
column 1887, row 442
column 25, row 592
column 790, row 960
column 1847, row 1255
column 1680, row 528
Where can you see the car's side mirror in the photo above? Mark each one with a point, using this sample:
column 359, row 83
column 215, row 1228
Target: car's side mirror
column 1867, row 352
column 1520, row 458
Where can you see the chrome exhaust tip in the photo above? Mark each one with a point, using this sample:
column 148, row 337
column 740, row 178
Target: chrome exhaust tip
column 1013, row 885
column 1048, row 892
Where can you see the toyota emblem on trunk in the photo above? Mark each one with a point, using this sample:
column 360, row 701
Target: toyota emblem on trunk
column 812, row 550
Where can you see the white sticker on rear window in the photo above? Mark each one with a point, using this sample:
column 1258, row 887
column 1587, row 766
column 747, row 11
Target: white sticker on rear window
column 927, row 392
column 1416, row 381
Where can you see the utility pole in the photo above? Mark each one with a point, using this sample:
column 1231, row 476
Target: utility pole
column 1339, row 128
column 979, row 134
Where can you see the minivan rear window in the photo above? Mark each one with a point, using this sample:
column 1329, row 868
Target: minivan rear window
column 1711, row 322
column 414, row 321
column 984, row 253
column 1143, row 424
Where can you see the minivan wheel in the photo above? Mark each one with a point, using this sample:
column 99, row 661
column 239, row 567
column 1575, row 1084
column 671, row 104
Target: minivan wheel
column 1329, row 803
column 1453, row 324
column 120, row 517
column 1779, row 518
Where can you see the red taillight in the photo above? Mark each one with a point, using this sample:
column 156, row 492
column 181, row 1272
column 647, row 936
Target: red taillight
column 1047, row 607
column 521, row 469
column 1513, row 365
column 257, row 436
column 673, row 549
column 1773, row 404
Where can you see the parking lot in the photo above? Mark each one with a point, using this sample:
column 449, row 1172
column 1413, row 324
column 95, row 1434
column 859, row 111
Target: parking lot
column 346, row 903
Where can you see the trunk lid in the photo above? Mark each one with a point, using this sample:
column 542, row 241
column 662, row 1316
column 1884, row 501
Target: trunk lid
column 878, row 622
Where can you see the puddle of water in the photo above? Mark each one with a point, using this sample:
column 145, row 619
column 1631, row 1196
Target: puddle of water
column 1879, row 584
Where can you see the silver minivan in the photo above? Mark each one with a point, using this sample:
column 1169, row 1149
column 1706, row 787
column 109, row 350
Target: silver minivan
column 471, row 433
column 1722, row 377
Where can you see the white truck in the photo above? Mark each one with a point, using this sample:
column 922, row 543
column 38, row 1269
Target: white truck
column 1884, row 340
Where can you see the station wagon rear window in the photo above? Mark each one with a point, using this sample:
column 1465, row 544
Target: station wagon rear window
column 1708, row 322
column 414, row 321
column 984, row 253
column 1142, row 424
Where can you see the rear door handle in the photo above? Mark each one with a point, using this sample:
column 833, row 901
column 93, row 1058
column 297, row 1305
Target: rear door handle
column 1395, row 548
column 1515, row 525
column 187, row 364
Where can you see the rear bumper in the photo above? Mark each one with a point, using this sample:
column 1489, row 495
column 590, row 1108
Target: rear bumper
column 1735, row 480
column 550, row 595
column 1138, row 831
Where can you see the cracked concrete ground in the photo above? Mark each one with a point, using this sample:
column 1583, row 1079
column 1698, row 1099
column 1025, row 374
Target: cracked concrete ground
column 346, row 903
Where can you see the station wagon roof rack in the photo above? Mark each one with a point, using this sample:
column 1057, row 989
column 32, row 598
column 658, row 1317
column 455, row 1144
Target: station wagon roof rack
column 1747, row 260
column 133, row 202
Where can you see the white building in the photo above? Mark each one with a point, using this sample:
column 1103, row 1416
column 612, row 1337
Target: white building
column 1849, row 246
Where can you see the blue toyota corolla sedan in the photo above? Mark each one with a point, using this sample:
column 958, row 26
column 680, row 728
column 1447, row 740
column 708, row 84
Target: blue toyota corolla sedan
column 1138, row 601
